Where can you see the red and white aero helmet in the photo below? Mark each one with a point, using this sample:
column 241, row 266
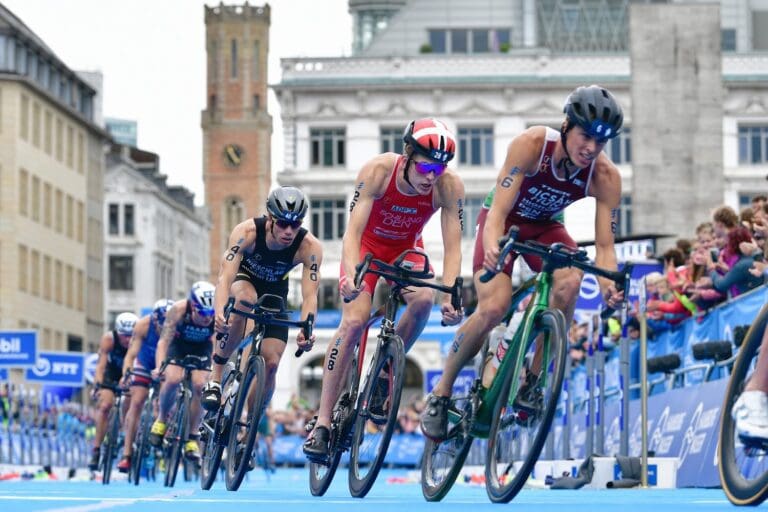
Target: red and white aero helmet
column 430, row 137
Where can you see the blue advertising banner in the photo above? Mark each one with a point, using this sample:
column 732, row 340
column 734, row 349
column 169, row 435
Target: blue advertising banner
column 18, row 348
column 3, row 374
column 62, row 368
column 461, row 386
column 589, row 294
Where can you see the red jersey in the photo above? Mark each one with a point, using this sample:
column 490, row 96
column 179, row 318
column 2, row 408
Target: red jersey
column 397, row 219
column 542, row 194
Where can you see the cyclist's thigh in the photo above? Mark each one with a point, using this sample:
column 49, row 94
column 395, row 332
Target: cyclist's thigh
column 479, row 252
column 546, row 233
column 242, row 289
column 354, row 315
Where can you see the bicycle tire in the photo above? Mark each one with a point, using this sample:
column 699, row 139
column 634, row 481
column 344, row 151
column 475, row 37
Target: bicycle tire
column 320, row 475
column 213, row 449
column 177, row 435
column 442, row 461
column 238, row 466
column 142, row 442
column 109, row 448
column 392, row 354
column 499, row 488
column 741, row 489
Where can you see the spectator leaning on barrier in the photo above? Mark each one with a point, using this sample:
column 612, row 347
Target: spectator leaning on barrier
column 738, row 279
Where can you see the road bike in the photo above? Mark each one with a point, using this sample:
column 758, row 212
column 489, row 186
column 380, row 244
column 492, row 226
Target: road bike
column 178, row 426
column 225, row 426
column 143, row 451
column 516, row 410
column 383, row 381
column 112, row 437
column 743, row 463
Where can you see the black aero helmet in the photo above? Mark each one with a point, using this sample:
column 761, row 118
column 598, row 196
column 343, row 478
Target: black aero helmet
column 595, row 110
column 287, row 203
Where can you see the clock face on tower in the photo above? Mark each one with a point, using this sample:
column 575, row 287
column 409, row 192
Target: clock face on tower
column 233, row 155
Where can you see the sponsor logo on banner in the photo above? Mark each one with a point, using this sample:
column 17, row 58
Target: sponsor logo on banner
column 18, row 348
column 63, row 368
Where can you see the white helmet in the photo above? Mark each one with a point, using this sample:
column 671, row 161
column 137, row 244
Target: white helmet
column 201, row 297
column 125, row 322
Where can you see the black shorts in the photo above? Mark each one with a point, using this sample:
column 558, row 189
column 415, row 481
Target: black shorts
column 178, row 349
column 272, row 331
column 112, row 376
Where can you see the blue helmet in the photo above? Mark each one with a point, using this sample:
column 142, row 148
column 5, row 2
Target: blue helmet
column 201, row 297
column 160, row 309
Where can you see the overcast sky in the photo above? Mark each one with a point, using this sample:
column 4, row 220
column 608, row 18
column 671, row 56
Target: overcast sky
column 152, row 56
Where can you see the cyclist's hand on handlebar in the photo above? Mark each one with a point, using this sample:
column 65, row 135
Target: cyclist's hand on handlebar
column 348, row 290
column 612, row 297
column 220, row 324
column 450, row 315
column 303, row 343
column 491, row 258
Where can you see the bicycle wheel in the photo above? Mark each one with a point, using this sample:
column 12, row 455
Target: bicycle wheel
column 212, row 437
column 243, row 434
column 142, row 442
column 175, row 438
column 109, row 446
column 320, row 475
column 369, row 446
column 517, row 436
column 743, row 467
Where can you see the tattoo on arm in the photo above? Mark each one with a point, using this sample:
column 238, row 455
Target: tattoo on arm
column 233, row 251
column 356, row 196
column 460, row 205
column 509, row 179
column 313, row 267
column 614, row 220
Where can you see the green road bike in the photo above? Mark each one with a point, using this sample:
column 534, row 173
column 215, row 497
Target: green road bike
column 516, row 411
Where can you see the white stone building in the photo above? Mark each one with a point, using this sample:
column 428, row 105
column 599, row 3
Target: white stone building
column 156, row 240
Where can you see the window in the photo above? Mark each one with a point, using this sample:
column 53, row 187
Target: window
column 70, row 287
column 214, row 53
column 128, row 224
column 328, row 147
column 480, row 41
column 502, row 38
column 35, row 272
column 759, row 34
column 59, row 140
column 472, row 209
column 328, row 218
column 47, row 266
column 35, row 199
column 70, row 147
column 753, row 144
column 79, row 222
column 74, row 343
column 120, row 272
column 24, row 121
column 70, row 217
column 47, row 204
column 391, row 140
column 47, row 141
column 256, row 103
column 80, row 291
column 625, row 216
column 619, row 149
column 233, row 60
column 728, row 39
column 114, row 219
column 476, row 146
column 36, row 124
column 80, row 153
column 59, row 215
column 23, row 268
column 58, row 279
column 437, row 40
column 459, row 41
column 23, row 192
column 234, row 213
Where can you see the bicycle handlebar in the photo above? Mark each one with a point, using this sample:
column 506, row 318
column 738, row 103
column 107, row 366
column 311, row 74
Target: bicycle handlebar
column 556, row 256
column 404, row 277
column 263, row 315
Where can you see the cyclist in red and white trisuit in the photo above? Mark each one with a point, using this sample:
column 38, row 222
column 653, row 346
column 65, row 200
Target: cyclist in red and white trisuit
column 544, row 171
column 394, row 198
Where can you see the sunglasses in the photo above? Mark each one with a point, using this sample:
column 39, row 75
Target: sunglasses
column 283, row 224
column 205, row 313
column 428, row 167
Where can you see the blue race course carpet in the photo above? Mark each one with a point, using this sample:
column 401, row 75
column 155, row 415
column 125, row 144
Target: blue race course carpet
column 287, row 490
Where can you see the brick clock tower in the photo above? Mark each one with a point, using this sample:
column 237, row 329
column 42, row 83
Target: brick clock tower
column 236, row 125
